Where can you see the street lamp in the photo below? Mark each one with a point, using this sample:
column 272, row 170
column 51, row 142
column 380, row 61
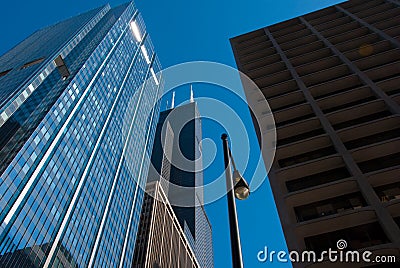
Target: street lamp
column 241, row 190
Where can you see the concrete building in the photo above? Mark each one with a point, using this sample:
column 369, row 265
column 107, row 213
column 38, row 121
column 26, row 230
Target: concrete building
column 332, row 81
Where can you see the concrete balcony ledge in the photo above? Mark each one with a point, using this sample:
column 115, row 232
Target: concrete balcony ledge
column 301, row 141
column 298, row 122
column 295, row 114
column 292, row 36
column 362, row 90
column 350, row 128
column 333, row 216
column 251, row 42
column 282, row 170
column 266, row 69
column 332, row 23
column 346, row 110
column 321, row 192
column 376, row 150
column 321, row 137
column 338, row 221
column 288, row 29
column 383, row 176
column 393, row 141
column 267, row 60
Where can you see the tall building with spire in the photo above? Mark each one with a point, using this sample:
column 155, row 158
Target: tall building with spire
column 178, row 134
column 72, row 97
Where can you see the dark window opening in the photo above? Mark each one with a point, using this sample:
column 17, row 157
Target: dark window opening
column 289, row 105
column 393, row 91
column 4, row 72
column 31, row 63
column 317, row 179
column 397, row 220
column 329, row 206
column 306, row 156
column 357, row 237
column 334, row 92
column 349, row 104
column 277, row 93
column 380, row 163
column 293, row 120
column 377, row 80
column 301, row 136
column 62, row 68
column 361, row 120
column 388, row 192
column 387, row 135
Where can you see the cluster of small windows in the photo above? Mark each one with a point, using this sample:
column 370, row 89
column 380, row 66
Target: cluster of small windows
column 189, row 236
column 97, row 97
column 203, row 248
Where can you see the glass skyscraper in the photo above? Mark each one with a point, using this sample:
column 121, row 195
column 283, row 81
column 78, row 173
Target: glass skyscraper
column 78, row 112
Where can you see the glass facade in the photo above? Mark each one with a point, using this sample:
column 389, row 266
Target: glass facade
column 203, row 244
column 78, row 129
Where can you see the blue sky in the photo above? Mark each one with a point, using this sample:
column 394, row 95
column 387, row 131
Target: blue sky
column 191, row 31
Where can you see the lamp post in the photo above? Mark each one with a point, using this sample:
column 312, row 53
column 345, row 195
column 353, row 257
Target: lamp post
column 241, row 190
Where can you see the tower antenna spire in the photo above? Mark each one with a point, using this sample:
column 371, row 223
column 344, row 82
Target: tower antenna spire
column 191, row 93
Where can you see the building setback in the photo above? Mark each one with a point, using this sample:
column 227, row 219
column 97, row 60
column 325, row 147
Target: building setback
column 332, row 81
column 72, row 96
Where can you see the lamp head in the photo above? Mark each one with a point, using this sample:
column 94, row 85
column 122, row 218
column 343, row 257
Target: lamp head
column 241, row 188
